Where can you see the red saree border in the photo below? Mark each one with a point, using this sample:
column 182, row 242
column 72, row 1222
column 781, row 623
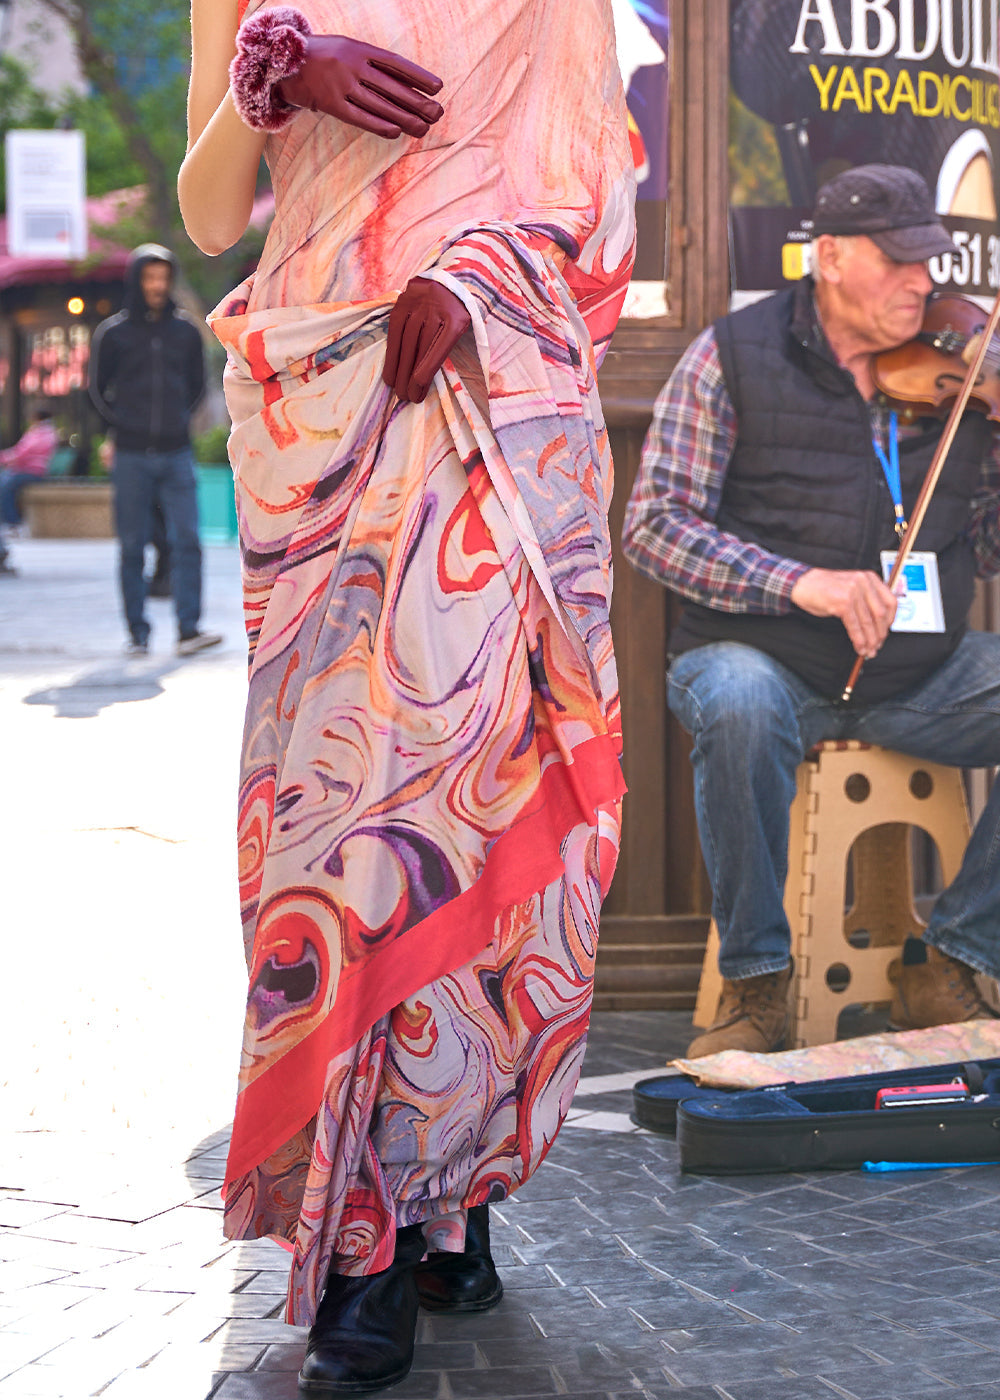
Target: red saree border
column 520, row 863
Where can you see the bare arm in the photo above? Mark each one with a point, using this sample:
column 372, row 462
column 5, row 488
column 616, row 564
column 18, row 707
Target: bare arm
column 218, row 177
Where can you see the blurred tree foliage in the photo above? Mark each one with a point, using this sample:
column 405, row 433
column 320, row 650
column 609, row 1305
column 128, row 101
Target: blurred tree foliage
column 135, row 56
column 21, row 105
column 109, row 165
column 755, row 173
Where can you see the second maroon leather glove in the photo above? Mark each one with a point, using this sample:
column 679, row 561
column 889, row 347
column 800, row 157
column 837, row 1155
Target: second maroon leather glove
column 367, row 87
column 424, row 326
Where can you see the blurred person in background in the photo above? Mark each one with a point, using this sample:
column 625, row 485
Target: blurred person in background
column 147, row 375
column 27, row 461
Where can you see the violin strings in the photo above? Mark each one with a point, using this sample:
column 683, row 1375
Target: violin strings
column 992, row 358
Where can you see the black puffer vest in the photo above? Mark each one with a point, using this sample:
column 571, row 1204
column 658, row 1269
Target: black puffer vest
column 804, row 482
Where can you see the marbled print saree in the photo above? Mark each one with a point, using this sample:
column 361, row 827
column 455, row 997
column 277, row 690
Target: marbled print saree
column 431, row 783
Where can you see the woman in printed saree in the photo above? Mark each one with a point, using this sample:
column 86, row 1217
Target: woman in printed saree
column 431, row 780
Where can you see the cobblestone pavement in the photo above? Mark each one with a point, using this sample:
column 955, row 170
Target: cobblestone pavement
column 623, row 1277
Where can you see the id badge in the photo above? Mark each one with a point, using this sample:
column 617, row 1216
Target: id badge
column 919, row 608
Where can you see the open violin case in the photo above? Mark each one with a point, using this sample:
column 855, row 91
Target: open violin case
column 830, row 1123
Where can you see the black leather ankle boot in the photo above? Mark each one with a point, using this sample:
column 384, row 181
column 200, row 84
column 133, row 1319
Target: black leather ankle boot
column 362, row 1338
column 466, row 1282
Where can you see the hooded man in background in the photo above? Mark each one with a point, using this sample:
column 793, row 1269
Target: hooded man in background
column 147, row 375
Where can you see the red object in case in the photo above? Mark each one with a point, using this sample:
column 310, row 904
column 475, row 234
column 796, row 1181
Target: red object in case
column 917, row 1095
column 952, row 1114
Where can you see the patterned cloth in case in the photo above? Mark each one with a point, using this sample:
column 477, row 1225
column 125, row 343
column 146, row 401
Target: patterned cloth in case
column 867, row 1054
column 431, row 783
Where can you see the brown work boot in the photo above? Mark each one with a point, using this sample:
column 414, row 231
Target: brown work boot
column 753, row 1015
column 933, row 989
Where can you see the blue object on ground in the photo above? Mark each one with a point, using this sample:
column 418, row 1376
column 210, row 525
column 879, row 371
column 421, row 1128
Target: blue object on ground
column 920, row 1166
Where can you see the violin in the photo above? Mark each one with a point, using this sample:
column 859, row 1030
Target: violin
column 954, row 334
column 925, row 375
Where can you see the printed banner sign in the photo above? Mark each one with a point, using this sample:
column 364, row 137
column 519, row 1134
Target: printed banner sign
column 46, row 192
column 642, row 37
column 818, row 86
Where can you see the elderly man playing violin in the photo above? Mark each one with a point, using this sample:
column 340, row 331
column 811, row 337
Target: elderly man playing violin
column 774, row 485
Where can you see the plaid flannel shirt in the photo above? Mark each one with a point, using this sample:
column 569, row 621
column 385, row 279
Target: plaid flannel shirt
column 670, row 532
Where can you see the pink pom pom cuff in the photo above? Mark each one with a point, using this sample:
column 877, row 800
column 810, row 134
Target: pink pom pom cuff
column 269, row 47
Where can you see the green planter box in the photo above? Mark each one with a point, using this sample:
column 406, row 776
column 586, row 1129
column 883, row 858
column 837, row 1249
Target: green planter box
column 216, row 503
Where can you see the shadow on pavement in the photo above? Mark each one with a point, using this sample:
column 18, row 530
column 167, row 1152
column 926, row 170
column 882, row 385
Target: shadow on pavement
column 89, row 694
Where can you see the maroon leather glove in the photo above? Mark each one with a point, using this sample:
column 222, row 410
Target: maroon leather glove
column 424, row 326
column 367, row 87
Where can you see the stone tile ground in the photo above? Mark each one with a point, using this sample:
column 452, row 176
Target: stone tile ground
column 123, row 984
column 623, row 1277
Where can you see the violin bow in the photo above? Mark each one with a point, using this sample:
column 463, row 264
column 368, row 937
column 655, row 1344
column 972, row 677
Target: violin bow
column 935, row 469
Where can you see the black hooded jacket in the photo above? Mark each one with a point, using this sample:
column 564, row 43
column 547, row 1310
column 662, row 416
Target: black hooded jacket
column 147, row 372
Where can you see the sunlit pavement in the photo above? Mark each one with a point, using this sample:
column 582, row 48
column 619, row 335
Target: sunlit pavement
column 123, row 982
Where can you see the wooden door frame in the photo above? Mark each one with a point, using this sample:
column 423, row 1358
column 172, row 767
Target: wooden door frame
column 659, row 898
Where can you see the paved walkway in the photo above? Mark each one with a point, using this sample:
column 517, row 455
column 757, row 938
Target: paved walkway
column 123, row 982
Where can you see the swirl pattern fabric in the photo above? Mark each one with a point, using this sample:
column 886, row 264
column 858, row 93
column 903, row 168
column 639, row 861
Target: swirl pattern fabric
column 431, row 783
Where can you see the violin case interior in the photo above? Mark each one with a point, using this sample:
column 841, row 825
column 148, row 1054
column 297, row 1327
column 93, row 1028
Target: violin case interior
column 831, row 1123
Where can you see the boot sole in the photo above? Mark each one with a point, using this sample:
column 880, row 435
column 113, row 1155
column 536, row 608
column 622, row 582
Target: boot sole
column 317, row 1387
column 474, row 1305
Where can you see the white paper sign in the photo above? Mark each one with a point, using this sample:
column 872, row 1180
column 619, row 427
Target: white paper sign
column 46, row 193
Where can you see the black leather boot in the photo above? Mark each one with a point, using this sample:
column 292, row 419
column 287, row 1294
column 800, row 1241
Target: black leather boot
column 466, row 1282
column 362, row 1338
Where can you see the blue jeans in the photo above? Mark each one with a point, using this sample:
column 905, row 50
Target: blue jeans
column 752, row 721
column 140, row 479
column 11, row 485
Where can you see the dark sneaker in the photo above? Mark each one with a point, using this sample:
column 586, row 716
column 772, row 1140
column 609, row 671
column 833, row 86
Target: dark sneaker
column 197, row 641
column 933, row 989
column 753, row 1015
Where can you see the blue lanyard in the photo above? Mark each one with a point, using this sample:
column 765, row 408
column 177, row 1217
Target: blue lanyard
column 890, row 468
